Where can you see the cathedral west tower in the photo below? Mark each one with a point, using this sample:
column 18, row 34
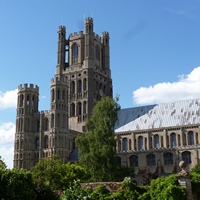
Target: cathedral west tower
column 82, row 77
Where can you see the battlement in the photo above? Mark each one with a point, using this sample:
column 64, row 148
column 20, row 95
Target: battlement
column 28, row 87
column 45, row 112
column 89, row 20
column 61, row 28
column 80, row 33
column 97, row 37
column 57, row 80
column 105, row 34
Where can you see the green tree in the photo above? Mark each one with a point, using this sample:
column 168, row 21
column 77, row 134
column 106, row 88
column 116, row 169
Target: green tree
column 16, row 184
column 51, row 173
column 97, row 147
column 165, row 188
column 48, row 172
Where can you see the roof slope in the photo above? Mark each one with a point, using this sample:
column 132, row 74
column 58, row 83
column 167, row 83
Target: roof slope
column 159, row 116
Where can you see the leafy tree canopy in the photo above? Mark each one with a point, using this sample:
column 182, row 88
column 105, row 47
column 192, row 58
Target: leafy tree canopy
column 97, row 147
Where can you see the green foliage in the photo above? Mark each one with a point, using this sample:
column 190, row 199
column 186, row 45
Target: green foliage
column 53, row 174
column 128, row 191
column 2, row 164
column 165, row 188
column 100, row 192
column 75, row 192
column 16, row 184
column 195, row 180
column 97, row 148
column 48, row 173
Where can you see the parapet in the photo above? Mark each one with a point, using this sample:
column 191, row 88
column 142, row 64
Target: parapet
column 89, row 20
column 80, row 33
column 61, row 28
column 105, row 34
column 32, row 87
column 57, row 80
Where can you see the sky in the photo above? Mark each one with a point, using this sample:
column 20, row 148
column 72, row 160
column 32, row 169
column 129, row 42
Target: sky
column 154, row 50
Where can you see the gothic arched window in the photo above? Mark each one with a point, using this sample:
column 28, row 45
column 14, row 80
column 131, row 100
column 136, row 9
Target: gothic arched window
column 125, row 144
column 72, row 109
column 74, row 53
column 186, row 156
column 156, row 141
column 73, row 90
column 37, row 143
column 133, row 161
column 173, row 140
column 97, row 52
column 46, row 142
column 79, row 86
column 151, row 160
column 190, row 138
column 140, row 143
column 168, row 158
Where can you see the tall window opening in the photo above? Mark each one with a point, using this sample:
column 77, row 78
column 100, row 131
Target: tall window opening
column 168, row 158
column 186, row 156
column 140, row 143
column 74, row 53
column 156, row 141
column 133, row 161
column 173, row 140
column 151, row 160
column 125, row 144
column 190, row 138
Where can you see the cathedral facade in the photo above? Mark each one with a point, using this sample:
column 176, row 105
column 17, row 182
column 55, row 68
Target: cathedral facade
column 82, row 77
column 152, row 139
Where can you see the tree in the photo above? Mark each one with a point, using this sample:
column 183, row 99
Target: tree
column 16, row 184
column 51, row 173
column 165, row 188
column 97, row 147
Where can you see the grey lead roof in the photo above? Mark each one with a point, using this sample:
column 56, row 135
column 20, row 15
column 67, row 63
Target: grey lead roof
column 159, row 116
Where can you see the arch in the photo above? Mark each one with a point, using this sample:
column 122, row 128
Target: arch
column 84, row 84
column 190, row 138
column 133, row 161
column 186, row 156
column 168, row 158
column 125, row 144
column 52, row 95
column 151, row 160
column 73, row 87
column 84, row 107
column 79, row 108
column 21, row 100
column 28, row 100
column 79, row 89
column 46, row 142
column 58, row 94
column 37, row 143
column 97, row 52
column 63, row 95
column 173, row 140
column 156, row 141
column 140, row 143
column 72, row 110
column 52, row 120
column 46, row 123
column 74, row 53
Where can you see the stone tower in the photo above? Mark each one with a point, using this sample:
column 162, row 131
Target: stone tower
column 82, row 77
column 27, row 109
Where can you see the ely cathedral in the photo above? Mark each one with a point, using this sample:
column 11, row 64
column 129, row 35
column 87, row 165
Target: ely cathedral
column 152, row 139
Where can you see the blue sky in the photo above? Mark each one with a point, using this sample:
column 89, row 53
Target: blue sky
column 154, row 50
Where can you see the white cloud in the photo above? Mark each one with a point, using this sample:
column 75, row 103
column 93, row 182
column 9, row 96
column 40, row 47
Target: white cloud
column 7, row 154
column 187, row 87
column 7, row 134
column 8, row 99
